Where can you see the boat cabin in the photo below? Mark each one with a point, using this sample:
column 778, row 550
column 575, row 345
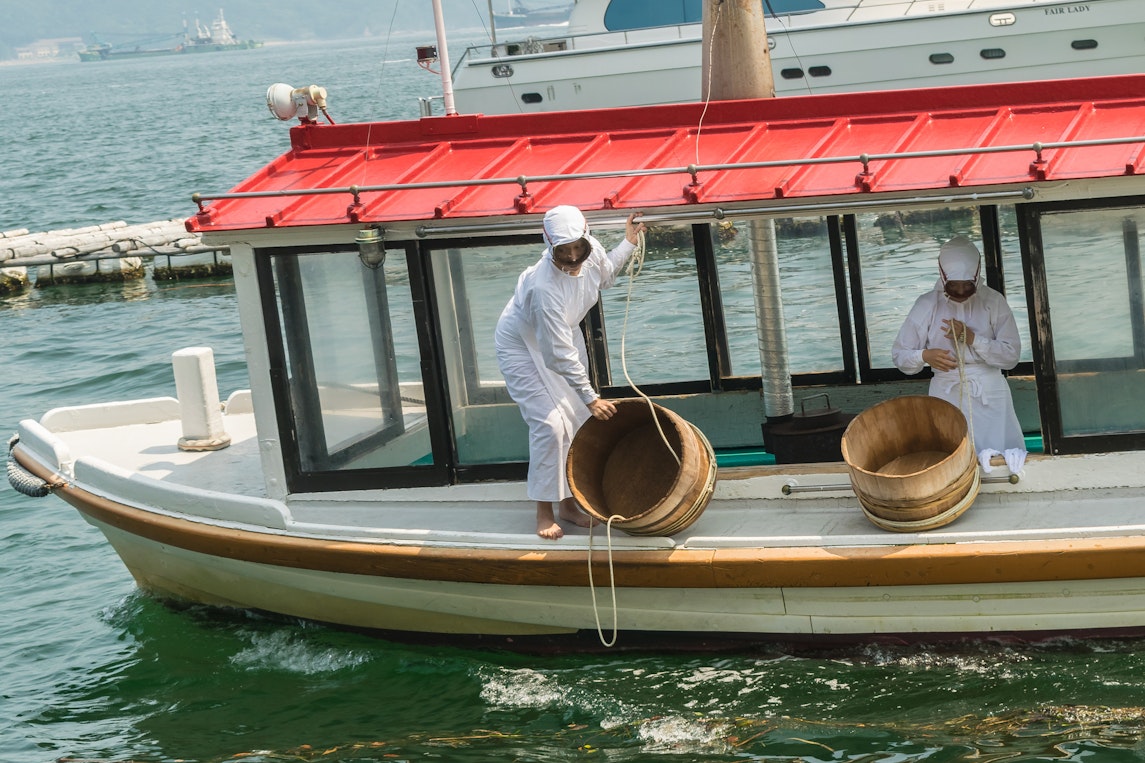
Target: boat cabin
column 373, row 260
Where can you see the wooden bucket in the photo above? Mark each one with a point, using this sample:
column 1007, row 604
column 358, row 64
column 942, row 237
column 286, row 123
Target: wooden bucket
column 622, row 468
column 912, row 463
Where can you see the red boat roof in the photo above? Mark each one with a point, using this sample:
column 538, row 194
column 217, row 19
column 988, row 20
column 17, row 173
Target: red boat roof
column 469, row 166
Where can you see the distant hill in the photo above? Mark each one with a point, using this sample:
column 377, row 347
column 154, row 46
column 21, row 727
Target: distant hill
column 116, row 20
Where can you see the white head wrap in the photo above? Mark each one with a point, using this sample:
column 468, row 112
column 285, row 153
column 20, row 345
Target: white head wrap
column 564, row 225
column 959, row 259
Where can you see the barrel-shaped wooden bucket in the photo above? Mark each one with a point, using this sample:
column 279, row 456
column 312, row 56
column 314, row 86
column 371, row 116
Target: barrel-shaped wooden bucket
column 622, row 469
column 912, row 463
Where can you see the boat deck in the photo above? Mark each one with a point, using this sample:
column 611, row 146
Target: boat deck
column 133, row 462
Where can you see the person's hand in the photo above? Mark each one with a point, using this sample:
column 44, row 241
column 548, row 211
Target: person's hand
column 633, row 227
column 601, row 409
column 940, row 360
column 956, row 330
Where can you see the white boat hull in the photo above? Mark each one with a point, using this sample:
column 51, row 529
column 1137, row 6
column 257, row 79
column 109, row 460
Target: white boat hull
column 656, row 66
column 443, row 607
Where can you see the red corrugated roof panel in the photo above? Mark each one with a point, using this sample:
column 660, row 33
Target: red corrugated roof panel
column 567, row 158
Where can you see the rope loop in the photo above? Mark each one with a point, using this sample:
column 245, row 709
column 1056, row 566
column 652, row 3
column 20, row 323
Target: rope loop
column 21, row 480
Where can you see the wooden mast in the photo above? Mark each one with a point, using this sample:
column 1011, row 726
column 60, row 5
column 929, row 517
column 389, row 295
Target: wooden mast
column 736, row 60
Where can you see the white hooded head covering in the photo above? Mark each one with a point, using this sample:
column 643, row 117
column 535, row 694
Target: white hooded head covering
column 566, row 224
column 959, row 260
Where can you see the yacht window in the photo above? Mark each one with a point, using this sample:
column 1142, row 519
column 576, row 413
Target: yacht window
column 776, row 7
column 622, row 15
column 1083, row 44
column 791, row 73
column 531, row 98
column 941, row 58
column 992, row 53
column 820, row 71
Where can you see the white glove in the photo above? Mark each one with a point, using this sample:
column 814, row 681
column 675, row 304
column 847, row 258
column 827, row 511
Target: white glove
column 1015, row 459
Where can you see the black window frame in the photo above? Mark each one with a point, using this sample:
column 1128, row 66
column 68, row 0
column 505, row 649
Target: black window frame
column 1055, row 440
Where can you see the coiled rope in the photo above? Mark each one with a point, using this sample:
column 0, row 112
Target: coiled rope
column 23, row 481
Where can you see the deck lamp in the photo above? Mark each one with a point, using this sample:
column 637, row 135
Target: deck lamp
column 371, row 247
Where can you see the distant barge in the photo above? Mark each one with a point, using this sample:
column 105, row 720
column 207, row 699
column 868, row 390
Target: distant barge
column 217, row 37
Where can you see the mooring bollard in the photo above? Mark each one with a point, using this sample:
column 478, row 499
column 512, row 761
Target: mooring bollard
column 198, row 394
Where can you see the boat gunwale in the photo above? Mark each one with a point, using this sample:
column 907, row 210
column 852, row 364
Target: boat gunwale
column 895, row 564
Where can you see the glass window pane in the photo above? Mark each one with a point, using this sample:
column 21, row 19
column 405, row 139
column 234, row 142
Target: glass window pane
column 1093, row 274
column 473, row 286
column 356, row 392
column 898, row 255
column 1012, row 271
column 663, row 339
column 807, row 290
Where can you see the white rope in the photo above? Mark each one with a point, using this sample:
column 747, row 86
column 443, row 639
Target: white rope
column 635, row 265
column 708, row 91
column 611, row 584
column 964, row 396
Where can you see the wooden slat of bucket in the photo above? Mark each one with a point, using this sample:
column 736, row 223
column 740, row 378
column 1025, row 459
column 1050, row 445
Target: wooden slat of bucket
column 912, row 463
column 928, row 509
column 941, row 520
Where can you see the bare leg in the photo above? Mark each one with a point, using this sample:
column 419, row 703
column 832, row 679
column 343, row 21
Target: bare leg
column 571, row 512
column 547, row 526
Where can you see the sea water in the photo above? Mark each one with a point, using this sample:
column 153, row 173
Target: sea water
column 92, row 670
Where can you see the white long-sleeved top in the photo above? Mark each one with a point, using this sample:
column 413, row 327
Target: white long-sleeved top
column 986, row 400
column 543, row 358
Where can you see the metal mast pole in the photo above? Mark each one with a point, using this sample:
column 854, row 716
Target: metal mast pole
column 443, row 59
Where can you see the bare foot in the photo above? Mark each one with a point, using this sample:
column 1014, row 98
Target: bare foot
column 571, row 512
column 547, row 526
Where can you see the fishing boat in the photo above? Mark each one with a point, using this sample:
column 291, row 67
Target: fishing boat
column 372, row 477
column 638, row 52
column 518, row 13
column 205, row 39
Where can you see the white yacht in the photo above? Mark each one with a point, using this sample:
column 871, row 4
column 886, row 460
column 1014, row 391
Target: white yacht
column 641, row 52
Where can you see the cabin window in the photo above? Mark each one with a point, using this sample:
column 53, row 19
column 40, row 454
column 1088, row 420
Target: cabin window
column 1083, row 44
column 898, row 261
column 662, row 325
column 791, row 73
column 472, row 287
column 992, row 53
column 1096, row 318
column 806, row 286
column 820, row 71
column 941, row 58
column 348, row 385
